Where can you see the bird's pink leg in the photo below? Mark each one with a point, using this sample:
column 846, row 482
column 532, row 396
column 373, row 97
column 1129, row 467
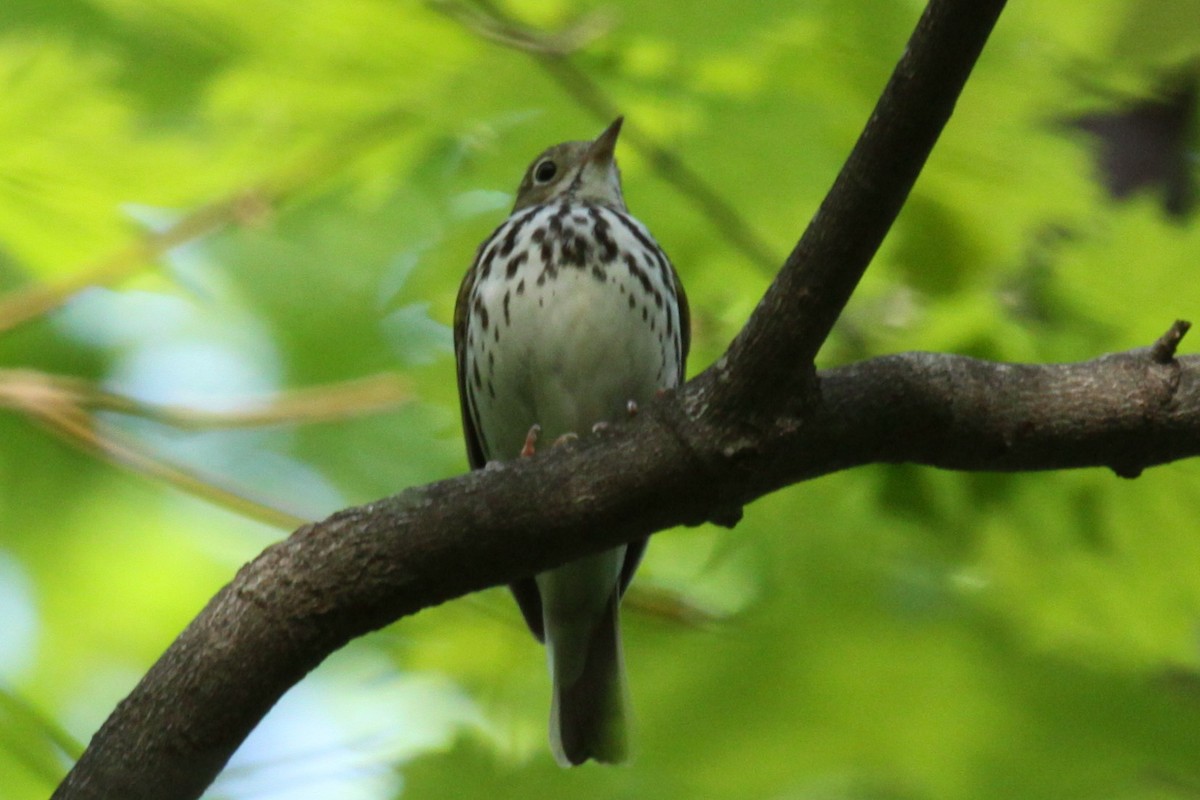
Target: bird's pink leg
column 530, row 447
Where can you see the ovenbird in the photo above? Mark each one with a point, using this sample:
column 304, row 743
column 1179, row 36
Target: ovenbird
column 570, row 313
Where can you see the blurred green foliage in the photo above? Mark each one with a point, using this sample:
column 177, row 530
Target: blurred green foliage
column 240, row 200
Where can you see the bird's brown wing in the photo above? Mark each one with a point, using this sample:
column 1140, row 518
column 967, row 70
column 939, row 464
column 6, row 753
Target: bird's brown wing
column 633, row 555
column 685, row 324
column 475, row 455
column 525, row 590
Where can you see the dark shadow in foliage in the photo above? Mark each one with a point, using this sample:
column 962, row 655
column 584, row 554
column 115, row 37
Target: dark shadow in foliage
column 1143, row 143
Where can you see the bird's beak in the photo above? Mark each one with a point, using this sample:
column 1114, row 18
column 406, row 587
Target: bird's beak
column 604, row 146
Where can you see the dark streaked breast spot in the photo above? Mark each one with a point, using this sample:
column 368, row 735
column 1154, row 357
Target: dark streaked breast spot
column 481, row 313
column 514, row 264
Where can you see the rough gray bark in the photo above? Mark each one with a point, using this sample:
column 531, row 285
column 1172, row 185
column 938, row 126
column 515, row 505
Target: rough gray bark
column 759, row 419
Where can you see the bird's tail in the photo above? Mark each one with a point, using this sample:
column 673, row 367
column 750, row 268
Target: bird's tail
column 589, row 712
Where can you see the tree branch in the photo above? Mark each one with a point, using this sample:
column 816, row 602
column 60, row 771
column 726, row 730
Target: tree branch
column 795, row 316
column 365, row 567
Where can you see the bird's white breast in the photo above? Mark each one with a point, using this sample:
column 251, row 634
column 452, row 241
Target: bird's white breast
column 578, row 320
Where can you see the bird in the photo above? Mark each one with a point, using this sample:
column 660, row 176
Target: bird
column 569, row 316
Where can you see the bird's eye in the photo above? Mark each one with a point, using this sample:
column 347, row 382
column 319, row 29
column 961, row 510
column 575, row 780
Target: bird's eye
column 545, row 171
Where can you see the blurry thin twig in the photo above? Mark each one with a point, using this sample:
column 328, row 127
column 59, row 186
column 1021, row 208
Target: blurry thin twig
column 22, row 305
column 64, row 406
column 495, row 29
column 93, row 436
column 645, row 599
column 671, row 606
column 246, row 206
column 32, row 391
column 13, row 705
column 299, row 406
column 555, row 60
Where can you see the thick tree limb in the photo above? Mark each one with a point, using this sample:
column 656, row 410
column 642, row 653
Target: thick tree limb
column 796, row 314
column 760, row 419
column 365, row 567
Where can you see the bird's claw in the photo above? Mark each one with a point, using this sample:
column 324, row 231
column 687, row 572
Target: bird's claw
column 530, row 446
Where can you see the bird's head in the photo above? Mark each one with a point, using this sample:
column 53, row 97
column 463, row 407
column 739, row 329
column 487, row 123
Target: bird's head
column 582, row 171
